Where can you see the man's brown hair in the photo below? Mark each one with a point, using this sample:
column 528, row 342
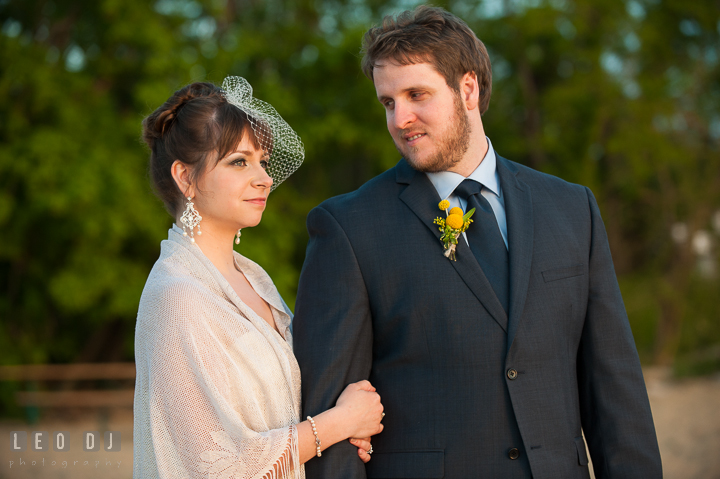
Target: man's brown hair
column 431, row 35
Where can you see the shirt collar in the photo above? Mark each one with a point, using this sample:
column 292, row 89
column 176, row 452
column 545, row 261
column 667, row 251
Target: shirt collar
column 445, row 182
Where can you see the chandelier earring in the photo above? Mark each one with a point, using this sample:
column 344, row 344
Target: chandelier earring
column 190, row 219
column 237, row 236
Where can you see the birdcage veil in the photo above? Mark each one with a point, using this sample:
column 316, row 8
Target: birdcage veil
column 272, row 132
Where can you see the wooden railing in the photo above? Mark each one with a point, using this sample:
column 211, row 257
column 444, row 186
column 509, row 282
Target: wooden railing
column 42, row 373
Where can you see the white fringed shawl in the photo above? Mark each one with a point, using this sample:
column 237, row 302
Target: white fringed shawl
column 217, row 393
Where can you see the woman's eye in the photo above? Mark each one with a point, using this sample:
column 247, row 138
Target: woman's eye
column 265, row 164
column 240, row 162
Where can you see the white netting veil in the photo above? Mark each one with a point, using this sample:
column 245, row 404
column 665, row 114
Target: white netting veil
column 272, row 132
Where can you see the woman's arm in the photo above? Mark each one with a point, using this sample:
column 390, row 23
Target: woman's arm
column 358, row 413
column 189, row 421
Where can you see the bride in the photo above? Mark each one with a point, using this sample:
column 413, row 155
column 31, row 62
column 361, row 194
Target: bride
column 217, row 392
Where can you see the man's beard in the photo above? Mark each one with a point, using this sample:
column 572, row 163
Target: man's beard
column 450, row 149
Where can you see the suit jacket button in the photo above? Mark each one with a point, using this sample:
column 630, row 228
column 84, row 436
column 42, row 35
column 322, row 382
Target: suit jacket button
column 513, row 453
column 512, row 374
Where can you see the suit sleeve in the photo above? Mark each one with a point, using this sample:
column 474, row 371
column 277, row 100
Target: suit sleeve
column 615, row 410
column 333, row 334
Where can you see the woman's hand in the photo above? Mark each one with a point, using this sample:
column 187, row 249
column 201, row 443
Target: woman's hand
column 363, row 446
column 362, row 409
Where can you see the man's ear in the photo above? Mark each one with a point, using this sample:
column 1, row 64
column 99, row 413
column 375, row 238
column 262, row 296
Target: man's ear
column 470, row 90
column 181, row 174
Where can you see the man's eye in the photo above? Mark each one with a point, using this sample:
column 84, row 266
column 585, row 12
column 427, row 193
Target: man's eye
column 388, row 105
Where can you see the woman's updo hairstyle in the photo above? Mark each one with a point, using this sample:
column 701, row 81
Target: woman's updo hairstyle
column 195, row 124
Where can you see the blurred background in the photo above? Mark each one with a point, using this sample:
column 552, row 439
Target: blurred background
column 620, row 95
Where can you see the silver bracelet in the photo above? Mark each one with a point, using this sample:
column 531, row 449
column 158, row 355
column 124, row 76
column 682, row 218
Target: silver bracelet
column 317, row 439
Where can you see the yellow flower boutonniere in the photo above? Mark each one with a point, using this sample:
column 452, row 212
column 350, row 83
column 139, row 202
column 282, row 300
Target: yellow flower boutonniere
column 452, row 227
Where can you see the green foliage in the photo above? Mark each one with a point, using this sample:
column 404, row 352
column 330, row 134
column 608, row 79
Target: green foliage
column 622, row 96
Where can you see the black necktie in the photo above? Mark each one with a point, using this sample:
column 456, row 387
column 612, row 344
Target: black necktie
column 486, row 240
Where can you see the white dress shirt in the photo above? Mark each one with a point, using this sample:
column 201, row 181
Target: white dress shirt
column 486, row 174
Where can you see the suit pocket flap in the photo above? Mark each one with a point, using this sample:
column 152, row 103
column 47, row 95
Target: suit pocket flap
column 427, row 464
column 582, row 452
column 562, row 273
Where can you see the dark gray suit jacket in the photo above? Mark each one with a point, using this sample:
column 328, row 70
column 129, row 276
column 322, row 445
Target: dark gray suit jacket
column 463, row 384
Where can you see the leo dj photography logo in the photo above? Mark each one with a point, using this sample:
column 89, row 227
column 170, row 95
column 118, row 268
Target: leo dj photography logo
column 42, row 441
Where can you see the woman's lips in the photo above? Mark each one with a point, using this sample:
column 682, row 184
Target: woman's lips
column 257, row 201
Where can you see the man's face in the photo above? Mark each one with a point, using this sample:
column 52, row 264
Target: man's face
column 425, row 117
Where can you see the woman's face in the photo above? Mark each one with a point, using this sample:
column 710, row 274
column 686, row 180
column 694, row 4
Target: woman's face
column 232, row 195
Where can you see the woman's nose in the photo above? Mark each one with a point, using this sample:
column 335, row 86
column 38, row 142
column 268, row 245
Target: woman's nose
column 263, row 179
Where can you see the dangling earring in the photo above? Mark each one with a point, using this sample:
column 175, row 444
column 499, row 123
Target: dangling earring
column 237, row 237
column 190, row 219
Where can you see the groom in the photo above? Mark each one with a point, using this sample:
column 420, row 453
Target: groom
column 491, row 366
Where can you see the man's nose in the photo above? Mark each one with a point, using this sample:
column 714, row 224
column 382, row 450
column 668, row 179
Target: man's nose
column 403, row 116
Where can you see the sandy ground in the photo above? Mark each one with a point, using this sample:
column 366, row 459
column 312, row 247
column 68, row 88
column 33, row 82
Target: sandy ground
column 685, row 411
column 687, row 421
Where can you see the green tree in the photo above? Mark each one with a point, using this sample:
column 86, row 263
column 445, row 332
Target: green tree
column 619, row 95
column 623, row 96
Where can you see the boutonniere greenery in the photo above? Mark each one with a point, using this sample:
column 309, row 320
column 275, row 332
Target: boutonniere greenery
column 452, row 227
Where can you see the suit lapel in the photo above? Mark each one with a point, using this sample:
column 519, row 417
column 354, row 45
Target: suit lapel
column 422, row 198
column 519, row 215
